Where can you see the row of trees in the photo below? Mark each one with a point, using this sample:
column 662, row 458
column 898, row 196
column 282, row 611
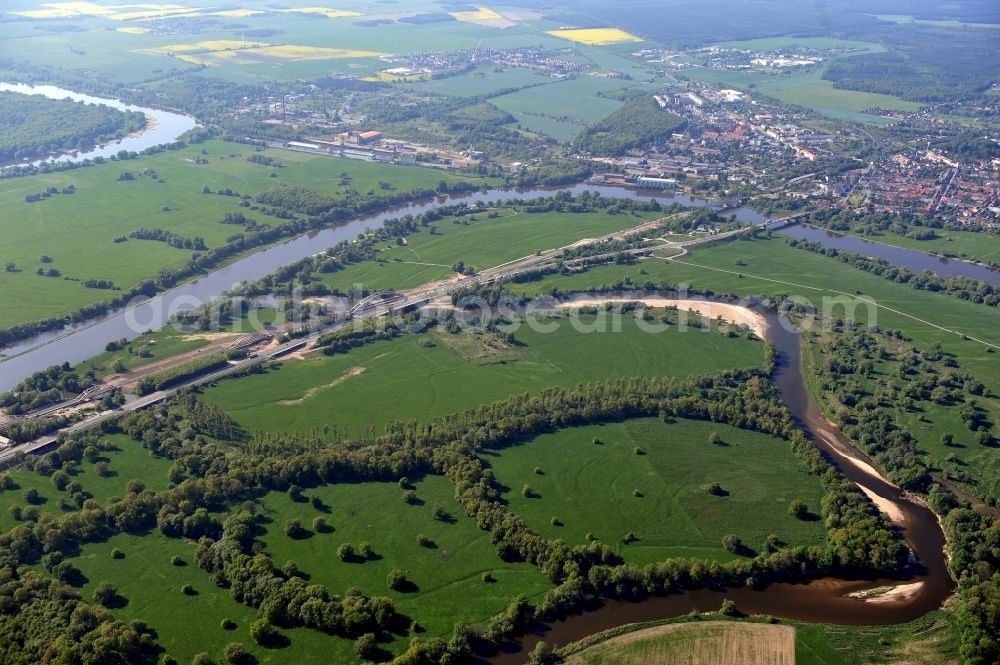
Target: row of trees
column 211, row 476
column 968, row 289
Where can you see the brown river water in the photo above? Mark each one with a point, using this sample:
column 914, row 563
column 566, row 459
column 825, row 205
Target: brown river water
column 823, row 600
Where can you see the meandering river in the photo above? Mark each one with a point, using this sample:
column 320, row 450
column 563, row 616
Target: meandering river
column 83, row 340
column 162, row 126
column 821, row 600
column 826, row 600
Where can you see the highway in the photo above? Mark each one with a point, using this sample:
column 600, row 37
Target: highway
column 372, row 306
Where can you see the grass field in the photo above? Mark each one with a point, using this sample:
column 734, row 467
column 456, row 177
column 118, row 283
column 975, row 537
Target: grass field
column 149, row 589
column 482, row 242
column 575, row 98
column 771, row 267
column 402, row 379
column 483, row 81
column 929, row 640
column 589, row 488
column 127, row 460
column 928, row 421
column 77, row 230
column 446, row 578
column 696, row 643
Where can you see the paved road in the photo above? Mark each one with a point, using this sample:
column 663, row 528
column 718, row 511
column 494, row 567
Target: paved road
column 369, row 308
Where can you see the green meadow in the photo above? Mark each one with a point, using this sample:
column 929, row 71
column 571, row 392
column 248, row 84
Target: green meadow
column 125, row 460
column 77, row 231
column 476, row 240
column 651, row 479
column 576, row 98
column 770, row 267
column 445, row 574
column 404, row 378
column 149, row 590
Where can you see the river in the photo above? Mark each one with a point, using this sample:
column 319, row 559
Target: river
column 76, row 343
column 911, row 259
column 822, row 600
column 84, row 340
column 163, row 126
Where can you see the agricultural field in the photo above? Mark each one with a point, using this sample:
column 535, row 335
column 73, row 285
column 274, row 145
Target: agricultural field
column 569, row 106
column 651, row 480
column 595, row 36
column 78, row 231
column 695, row 643
column 406, row 378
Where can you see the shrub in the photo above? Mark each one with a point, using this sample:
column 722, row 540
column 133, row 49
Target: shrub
column 424, row 540
column 798, row 509
column 488, row 578
column 346, row 552
column 236, row 654
column 320, row 526
column 365, row 647
column 396, row 579
column 732, row 543
column 105, row 594
column 227, row 624
column 117, row 554
column 188, row 590
column 728, row 608
column 175, row 560
column 262, row 632
column 293, row 528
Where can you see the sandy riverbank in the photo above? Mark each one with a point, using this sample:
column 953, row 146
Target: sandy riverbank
column 727, row 312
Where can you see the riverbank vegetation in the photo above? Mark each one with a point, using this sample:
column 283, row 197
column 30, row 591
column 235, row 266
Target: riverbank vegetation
column 86, row 237
column 437, row 372
column 35, row 126
column 218, row 482
column 916, row 232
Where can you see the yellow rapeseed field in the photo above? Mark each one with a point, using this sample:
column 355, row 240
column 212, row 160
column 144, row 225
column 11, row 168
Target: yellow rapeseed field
column 325, row 11
column 482, row 14
column 66, row 10
column 595, row 36
column 238, row 13
column 294, row 52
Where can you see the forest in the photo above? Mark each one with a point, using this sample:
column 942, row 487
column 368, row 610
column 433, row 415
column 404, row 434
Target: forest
column 640, row 122
column 35, row 126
